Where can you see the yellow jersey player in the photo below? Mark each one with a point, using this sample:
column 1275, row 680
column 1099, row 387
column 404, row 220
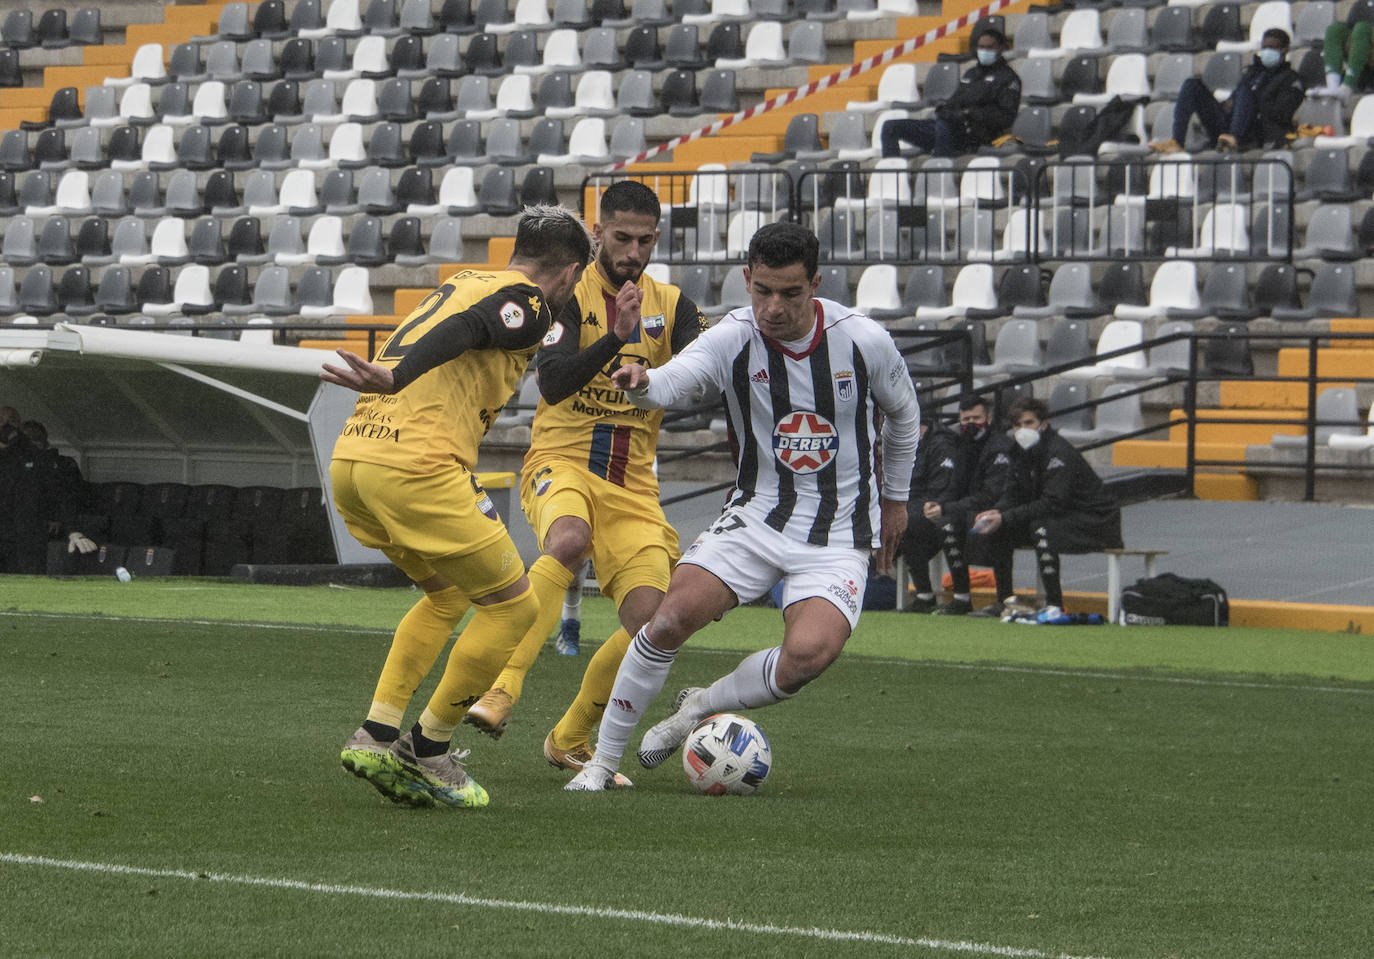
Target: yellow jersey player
column 403, row 480
column 588, row 483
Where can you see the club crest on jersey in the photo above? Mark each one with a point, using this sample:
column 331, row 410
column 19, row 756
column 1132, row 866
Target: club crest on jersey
column 512, row 315
column 805, row 442
column 653, row 325
column 554, row 335
column 844, row 384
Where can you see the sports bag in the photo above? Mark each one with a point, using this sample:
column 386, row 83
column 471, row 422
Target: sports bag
column 1170, row 600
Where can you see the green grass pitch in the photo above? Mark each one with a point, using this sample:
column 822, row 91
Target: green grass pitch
column 948, row 788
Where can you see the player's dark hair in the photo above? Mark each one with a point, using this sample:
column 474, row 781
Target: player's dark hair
column 629, row 196
column 551, row 237
column 779, row 245
column 996, row 34
column 968, row 401
column 1027, row 404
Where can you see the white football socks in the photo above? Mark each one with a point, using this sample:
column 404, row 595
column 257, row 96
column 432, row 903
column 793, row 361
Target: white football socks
column 642, row 674
column 572, row 600
column 754, row 683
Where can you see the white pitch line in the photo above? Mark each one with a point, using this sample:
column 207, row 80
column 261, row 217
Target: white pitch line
column 461, row 899
column 882, row 660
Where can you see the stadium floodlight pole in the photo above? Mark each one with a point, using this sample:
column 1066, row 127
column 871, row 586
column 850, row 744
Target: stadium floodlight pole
column 824, row 83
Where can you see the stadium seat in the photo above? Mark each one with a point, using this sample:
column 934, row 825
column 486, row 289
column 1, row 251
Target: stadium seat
column 457, row 192
column 445, row 243
column 1170, row 358
column 1333, row 294
column 231, row 287
column 1333, row 403
column 627, row 138
column 55, row 242
column 74, row 295
column 129, row 242
column 635, row 95
column 1356, row 440
column 1015, row 351
column 365, row 247
column 115, row 293
column 206, row 243
column 93, row 241
column 324, row 244
column 271, row 294
column 497, row 192
column 1267, row 15
column 973, row 294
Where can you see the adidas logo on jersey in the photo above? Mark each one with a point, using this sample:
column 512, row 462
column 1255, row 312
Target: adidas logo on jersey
column 760, row 377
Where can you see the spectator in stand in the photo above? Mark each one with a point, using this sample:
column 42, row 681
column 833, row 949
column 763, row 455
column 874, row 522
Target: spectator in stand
column 958, row 475
column 1259, row 113
column 1345, row 54
column 1053, row 503
column 981, row 110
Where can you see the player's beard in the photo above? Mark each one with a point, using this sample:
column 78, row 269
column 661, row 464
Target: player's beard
column 617, row 277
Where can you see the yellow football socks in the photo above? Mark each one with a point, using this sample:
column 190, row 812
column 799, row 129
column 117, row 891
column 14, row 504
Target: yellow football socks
column 550, row 580
column 478, row 655
column 419, row 639
column 585, row 712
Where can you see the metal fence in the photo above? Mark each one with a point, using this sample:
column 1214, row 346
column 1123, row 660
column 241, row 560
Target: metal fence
column 1200, row 209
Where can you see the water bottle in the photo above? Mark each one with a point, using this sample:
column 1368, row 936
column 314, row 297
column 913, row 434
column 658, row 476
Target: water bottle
column 123, row 575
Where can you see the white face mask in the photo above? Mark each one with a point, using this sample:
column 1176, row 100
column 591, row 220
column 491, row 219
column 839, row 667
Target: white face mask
column 1025, row 437
column 987, row 57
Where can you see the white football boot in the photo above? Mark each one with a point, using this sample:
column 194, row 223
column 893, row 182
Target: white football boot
column 664, row 739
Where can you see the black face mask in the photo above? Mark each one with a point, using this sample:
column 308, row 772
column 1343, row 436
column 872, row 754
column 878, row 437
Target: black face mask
column 8, row 434
column 972, row 432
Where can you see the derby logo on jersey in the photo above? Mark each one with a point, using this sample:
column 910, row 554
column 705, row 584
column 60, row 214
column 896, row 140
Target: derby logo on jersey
column 512, row 315
column 554, row 335
column 653, row 325
column 844, row 384
column 805, row 442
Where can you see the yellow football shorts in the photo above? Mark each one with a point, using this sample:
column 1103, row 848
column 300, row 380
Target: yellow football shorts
column 632, row 543
column 428, row 523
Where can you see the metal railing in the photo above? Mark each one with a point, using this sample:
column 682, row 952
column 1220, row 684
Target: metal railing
column 1076, row 209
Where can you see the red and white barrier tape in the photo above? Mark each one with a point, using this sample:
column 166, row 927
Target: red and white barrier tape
column 782, row 99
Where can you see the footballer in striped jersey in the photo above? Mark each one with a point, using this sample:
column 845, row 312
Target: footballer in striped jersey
column 824, row 415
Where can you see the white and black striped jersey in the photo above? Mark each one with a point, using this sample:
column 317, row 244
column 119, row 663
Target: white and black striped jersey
column 804, row 418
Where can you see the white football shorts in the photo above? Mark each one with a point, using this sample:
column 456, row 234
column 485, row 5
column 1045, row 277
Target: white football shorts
column 750, row 557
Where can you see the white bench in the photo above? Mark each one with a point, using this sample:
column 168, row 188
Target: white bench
column 1114, row 556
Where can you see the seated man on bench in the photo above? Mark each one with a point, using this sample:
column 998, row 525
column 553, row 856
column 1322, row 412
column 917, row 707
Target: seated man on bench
column 1053, row 502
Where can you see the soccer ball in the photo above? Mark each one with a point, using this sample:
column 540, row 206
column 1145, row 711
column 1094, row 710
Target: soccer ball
column 727, row 753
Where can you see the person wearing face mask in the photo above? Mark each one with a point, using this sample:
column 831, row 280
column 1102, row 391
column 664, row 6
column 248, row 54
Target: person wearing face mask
column 1259, row 113
column 1053, row 503
column 981, row 110
column 964, row 473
